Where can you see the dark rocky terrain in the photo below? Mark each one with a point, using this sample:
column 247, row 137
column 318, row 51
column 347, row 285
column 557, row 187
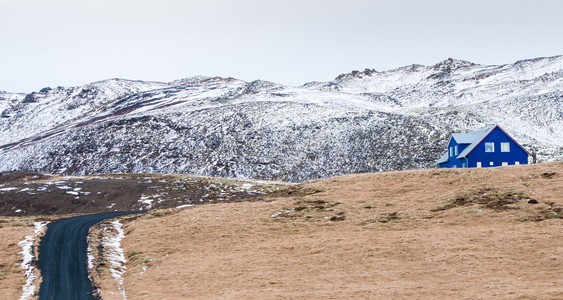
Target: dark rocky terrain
column 23, row 194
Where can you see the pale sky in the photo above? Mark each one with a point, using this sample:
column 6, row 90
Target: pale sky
column 74, row 42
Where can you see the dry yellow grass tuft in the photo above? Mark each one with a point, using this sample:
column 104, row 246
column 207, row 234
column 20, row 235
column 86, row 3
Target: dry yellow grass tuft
column 471, row 233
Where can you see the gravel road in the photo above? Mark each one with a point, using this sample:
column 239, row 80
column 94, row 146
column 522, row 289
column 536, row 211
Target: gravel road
column 63, row 258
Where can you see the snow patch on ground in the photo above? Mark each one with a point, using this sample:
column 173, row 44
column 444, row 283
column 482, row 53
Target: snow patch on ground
column 90, row 257
column 28, row 245
column 116, row 258
column 247, row 186
column 184, row 206
column 147, row 201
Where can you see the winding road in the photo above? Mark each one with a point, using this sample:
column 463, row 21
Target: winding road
column 63, row 258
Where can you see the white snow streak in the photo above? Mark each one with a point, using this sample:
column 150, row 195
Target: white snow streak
column 28, row 255
column 90, row 255
column 185, row 205
column 115, row 256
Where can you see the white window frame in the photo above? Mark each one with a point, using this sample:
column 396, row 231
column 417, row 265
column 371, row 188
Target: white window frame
column 504, row 163
column 479, row 164
column 491, row 163
column 451, row 151
column 492, row 144
column 505, row 147
column 455, row 150
column 516, row 163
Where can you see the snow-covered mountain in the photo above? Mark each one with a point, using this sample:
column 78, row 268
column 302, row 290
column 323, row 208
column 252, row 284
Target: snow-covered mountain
column 9, row 99
column 359, row 122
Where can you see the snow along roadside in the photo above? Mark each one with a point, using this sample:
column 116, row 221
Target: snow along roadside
column 28, row 252
column 111, row 252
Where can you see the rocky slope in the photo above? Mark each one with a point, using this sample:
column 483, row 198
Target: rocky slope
column 360, row 122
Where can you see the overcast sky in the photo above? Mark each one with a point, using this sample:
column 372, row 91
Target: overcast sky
column 73, row 42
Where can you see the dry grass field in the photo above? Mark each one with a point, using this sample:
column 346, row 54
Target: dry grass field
column 12, row 231
column 454, row 234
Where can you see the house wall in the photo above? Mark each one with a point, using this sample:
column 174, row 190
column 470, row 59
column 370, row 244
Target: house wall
column 497, row 137
column 452, row 161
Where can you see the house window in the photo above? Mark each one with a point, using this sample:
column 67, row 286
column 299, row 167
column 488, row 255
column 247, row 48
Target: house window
column 491, row 163
column 489, row 147
column 451, row 151
column 504, row 163
column 454, row 167
column 478, row 164
column 463, row 165
column 455, row 151
column 504, row 147
column 516, row 162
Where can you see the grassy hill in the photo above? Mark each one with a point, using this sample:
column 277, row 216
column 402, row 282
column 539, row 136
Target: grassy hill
column 456, row 233
column 472, row 233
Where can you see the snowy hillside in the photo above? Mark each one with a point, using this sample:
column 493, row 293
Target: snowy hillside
column 528, row 92
column 9, row 99
column 360, row 122
column 43, row 110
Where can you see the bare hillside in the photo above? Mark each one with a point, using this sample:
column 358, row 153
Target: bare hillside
column 457, row 234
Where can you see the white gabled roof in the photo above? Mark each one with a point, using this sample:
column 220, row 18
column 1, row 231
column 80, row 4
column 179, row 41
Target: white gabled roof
column 443, row 159
column 471, row 138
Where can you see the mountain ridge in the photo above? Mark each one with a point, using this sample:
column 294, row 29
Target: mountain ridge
column 359, row 122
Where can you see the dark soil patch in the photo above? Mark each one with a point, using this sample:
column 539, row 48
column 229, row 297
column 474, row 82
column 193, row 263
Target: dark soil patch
column 488, row 198
column 309, row 208
column 113, row 193
column 383, row 218
column 315, row 205
column 295, row 191
column 548, row 175
column 550, row 212
column 338, row 218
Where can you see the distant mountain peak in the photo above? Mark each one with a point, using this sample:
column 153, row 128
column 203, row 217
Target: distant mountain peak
column 357, row 74
column 452, row 64
column 192, row 80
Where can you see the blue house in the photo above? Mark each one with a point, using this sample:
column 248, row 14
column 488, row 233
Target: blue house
column 489, row 147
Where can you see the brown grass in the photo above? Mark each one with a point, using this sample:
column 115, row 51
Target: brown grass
column 12, row 231
column 457, row 234
column 12, row 278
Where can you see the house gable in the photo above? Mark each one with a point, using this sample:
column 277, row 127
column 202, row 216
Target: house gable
column 462, row 141
column 479, row 154
column 449, row 156
column 468, row 150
